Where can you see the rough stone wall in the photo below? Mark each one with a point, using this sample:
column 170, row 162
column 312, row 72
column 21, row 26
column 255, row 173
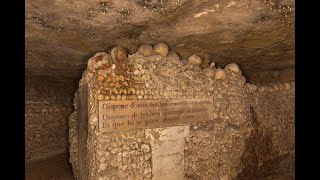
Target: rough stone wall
column 218, row 149
column 270, row 150
column 258, row 33
column 47, row 107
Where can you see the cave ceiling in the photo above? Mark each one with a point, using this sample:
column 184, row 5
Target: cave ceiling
column 61, row 35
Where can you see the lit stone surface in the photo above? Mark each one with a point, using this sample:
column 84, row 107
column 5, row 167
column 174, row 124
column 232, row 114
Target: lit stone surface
column 168, row 151
column 201, row 149
column 167, row 133
column 168, row 166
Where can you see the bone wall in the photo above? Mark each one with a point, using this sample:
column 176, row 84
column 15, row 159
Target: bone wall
column 156, row 73
column 217, row 149
column 47, row 107
column 214, row 149
column 270, row 149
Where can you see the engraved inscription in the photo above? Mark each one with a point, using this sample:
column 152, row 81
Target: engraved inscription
column 133, row 114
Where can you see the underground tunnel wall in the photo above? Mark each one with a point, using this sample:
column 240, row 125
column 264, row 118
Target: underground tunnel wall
column 48, row 104
column 270, row 149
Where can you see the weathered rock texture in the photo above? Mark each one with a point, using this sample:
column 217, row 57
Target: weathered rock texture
column 257, row 34
column 222, row 148
column 47, row 108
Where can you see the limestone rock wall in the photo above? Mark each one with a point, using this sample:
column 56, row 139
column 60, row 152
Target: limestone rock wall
column 47, row 107
column 259, row 34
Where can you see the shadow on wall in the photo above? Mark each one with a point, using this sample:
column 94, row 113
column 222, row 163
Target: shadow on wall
column 56, row 167
column 260, row 159
column 48, row 105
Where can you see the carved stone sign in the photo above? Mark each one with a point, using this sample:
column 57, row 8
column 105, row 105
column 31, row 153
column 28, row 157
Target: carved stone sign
column 134, row 114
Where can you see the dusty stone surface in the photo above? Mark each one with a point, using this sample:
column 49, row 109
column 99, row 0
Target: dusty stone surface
column 53, row 168
column 258, row 35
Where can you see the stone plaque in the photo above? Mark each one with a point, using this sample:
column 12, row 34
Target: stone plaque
column 133, row 114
